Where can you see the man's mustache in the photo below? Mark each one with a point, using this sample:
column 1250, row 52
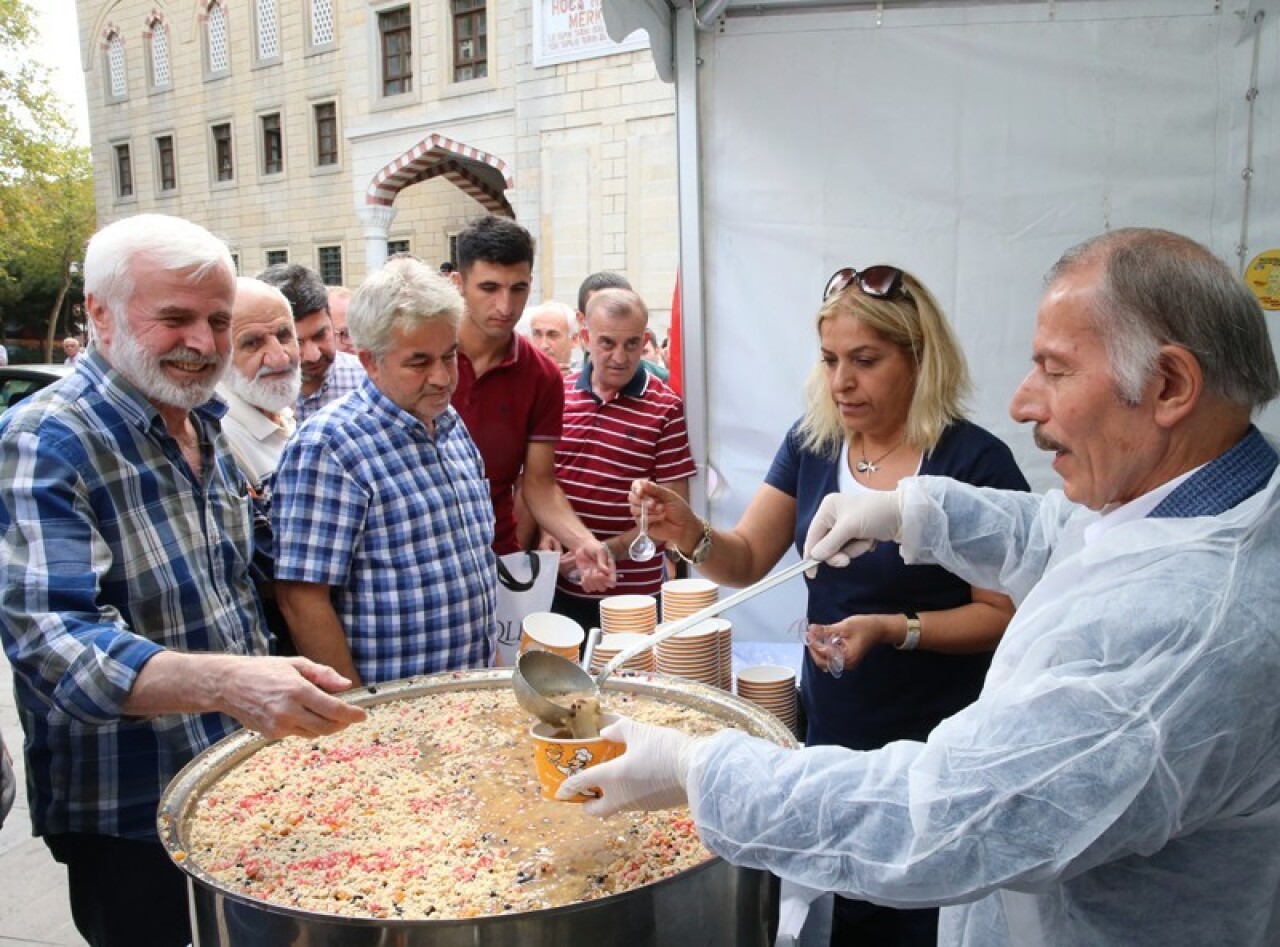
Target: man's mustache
column 264, row 373
column 1044, row 442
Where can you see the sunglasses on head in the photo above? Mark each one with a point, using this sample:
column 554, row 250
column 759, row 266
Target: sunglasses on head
column 878, row 282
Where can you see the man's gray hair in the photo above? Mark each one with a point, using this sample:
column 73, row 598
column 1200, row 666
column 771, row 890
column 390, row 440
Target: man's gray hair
column 173, row 243
column 403, row 295
column 617, row 302
column 1160, row 288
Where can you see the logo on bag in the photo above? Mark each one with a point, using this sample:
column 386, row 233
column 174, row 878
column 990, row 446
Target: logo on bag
column 508, row 632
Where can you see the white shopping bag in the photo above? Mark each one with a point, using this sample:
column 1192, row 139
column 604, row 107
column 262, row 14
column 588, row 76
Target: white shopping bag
column 526, row 584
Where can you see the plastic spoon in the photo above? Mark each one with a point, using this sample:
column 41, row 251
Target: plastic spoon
column 642, row 547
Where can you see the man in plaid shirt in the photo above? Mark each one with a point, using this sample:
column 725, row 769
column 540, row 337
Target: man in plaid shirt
column 382, row 516
column 126, row 607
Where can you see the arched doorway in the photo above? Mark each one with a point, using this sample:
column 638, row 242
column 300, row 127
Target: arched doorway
column 482, row 176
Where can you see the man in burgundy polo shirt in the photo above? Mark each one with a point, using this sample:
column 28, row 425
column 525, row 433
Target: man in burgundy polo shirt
column 511, row 396
column 621, row 423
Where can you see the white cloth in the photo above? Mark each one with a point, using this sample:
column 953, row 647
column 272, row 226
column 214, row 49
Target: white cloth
column 1116, row 783
column 256, row 441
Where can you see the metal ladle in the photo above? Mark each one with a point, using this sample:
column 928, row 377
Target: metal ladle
column 541, row 675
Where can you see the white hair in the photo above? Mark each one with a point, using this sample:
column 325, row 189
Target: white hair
column 404, row 294
column 173, row 243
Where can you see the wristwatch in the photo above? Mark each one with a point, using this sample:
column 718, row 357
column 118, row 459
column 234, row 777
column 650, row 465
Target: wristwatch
column 913, row 633
column 701, row 550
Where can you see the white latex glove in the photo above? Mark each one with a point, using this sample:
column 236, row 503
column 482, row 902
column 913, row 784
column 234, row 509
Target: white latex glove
column 651, row 774
column 793, row 911
column 847, row 525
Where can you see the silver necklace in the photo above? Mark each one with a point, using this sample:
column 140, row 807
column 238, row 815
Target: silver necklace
column 865, row 466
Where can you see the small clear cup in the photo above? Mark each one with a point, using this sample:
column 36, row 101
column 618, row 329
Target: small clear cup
column 822, row 641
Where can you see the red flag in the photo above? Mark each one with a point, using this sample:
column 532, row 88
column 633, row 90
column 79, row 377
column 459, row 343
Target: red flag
column 675, row 345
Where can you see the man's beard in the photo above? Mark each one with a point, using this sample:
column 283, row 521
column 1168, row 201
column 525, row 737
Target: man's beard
column 269, row 391
column 144, row 370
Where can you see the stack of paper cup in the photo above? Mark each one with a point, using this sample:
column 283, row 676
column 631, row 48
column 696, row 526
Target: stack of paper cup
column 628, row 614
column 772, row 688
column 611, row 646
column 547, row 631
column 724, row 642
column 683, row 597
column 696, row 654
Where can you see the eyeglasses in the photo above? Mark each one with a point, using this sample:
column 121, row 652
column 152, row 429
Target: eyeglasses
column 878, row 282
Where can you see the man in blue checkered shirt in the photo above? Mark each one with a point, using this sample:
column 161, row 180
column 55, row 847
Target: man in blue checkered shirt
column 126, row 607
column 382, row 516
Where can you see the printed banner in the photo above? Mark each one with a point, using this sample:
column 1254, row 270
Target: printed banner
column 571, row 30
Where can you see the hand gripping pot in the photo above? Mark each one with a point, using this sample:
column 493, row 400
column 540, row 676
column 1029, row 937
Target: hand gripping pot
column 713, row 903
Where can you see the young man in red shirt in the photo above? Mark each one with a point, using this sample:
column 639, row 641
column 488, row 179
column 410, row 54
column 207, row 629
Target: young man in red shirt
column 511, row 396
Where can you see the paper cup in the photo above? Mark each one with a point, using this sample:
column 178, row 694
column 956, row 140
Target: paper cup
column 547, row 631
column 556, row 758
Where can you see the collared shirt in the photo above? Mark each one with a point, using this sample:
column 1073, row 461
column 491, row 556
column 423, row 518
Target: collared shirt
column 519, row 400
column 113, row 550
column 256, row 440
column 638, row 433
column 1207, row 490
column 1225, row 481
column 345, row 375
column 399, row 522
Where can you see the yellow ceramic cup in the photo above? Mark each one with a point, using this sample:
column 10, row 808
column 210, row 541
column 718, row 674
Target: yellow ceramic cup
column 557, row 757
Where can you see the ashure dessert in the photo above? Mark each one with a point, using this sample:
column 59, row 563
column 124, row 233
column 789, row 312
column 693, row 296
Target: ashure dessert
column 430, row 809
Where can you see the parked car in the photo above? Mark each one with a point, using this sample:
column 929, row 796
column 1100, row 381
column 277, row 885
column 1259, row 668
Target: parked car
column 18, row 381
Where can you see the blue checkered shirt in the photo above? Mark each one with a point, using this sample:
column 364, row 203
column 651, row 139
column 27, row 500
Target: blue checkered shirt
column 1227, row 480
column 399, row 523
column 345, row 375
column 111, row 551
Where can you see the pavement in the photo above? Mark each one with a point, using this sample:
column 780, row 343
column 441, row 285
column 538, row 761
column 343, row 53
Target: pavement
column 33, row 887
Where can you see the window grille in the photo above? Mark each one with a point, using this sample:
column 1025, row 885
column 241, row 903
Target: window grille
column 216, row 26
column 268, row 30
column 160, row 55
column 329, row 265
column 321, row 22
column 116, row 65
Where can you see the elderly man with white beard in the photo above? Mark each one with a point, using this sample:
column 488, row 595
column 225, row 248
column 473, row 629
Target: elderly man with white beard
column 263, row 381
column 126, row 606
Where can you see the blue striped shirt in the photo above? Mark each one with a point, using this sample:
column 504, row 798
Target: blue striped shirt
column 110, row 551
column 399, row 523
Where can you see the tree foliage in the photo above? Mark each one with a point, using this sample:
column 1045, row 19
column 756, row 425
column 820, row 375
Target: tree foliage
column 46, row 184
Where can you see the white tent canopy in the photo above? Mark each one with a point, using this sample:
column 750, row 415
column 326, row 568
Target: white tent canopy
column 970, row 143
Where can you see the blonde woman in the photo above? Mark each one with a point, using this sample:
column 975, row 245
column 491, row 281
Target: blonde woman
column 884, row 402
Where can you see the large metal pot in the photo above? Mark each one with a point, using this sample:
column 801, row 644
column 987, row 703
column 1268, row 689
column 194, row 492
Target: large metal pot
column 711, row 905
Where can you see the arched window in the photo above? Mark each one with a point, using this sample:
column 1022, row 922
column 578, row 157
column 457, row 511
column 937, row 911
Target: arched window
column 117, row 77
column 215, row 25
column 158, row 49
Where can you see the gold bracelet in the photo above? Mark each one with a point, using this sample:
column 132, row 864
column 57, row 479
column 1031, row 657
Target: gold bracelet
column 913, row 633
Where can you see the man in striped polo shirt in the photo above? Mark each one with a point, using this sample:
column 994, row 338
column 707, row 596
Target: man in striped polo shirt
column 621, row 423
